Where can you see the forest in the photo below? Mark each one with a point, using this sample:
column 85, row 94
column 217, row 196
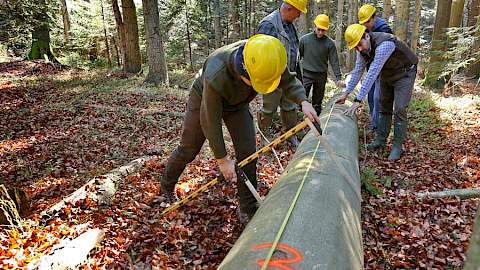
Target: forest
column 93, row 98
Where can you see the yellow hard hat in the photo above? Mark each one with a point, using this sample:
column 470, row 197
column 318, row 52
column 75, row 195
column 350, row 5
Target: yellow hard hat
column 353, row 34
column 298, row 4
column 365, row 12
column 322, row 21
column 265, row 59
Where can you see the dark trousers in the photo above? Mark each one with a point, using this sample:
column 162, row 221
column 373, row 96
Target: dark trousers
column 396, row 94
column 317, row 82
column 242, row 131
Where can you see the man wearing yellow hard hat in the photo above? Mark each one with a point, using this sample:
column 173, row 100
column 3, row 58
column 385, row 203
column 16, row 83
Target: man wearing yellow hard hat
column 231, row 77
column 316, row 51
column 396, row 64
column 279, row 24
column 367, row 16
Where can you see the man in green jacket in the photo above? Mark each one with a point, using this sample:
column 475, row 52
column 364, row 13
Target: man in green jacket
column 316, row 50
column 230, row 78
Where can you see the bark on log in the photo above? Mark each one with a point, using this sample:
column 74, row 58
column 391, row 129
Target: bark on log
column 104, row 187
column 324, row 229
column 466, row 193
column 473, row 255
column 72, row 253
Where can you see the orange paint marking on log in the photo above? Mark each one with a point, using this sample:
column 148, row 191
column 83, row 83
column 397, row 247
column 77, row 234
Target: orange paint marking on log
column 281, row 263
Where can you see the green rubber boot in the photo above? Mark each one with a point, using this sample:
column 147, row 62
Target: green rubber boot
column 399, row 135
column 383, row 129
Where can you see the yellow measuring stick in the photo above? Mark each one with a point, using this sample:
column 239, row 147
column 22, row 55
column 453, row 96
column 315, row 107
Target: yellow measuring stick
column 241, row 164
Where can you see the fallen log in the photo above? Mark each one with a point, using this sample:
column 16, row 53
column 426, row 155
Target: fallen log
column 466, row 193
column 323, row 230
column 70, row 253
column 102, row 188
column 473, row 253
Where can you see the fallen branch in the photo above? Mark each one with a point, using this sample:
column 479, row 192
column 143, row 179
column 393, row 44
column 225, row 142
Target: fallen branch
column 104, row 187
column 466, row 193
column 71, row 253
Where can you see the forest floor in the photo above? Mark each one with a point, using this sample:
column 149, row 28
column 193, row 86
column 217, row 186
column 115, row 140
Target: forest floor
column 59, row 128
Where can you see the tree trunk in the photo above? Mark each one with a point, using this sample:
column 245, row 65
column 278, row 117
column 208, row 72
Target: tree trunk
column 120, row 30
column 387, row 9
column 339, row 29
column 217, row 23
column 456, row 14
column 401, row 22
column 235, row 20
column 474, row 68
column 116, row 51
column 473, row 254
column 41, row 35
column 351, row 19
column 439, row 38
column 106, row 35
column 133, row 60
column 416, row 27
column 473, row 13
column 157, row 67
column 189, row 39
column 66, row 22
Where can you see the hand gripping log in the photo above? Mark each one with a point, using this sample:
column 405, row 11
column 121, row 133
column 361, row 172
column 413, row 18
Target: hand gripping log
column 241, row 164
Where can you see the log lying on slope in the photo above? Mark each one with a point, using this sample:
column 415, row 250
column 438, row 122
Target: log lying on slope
column 466, row 193
column 473, row 255
column 103, row 187
column 71, row 253
column 324, row 230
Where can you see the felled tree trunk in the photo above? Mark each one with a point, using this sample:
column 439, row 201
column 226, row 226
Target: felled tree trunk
column 72, row 253
column 102, row 188
column 466, row 193
column 473, row 254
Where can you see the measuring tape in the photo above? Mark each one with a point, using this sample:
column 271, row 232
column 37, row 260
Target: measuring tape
column 241, row 164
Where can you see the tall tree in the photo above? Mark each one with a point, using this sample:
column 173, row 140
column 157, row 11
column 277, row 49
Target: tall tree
column 66, row 22
column 339, row 27
column 474, row 19
column 157, row 67
column 189, row 37
column 127, row 28
column 456, row 14
column 133, row 60
column 235, row 20
column 387, row 9
column 401, row 22
column 217, row 27
column 416, row 27
column 40, row 48
column 474, row 12
column 105, row 34
column 439, row 38
column 120, row 30
column 352, row 18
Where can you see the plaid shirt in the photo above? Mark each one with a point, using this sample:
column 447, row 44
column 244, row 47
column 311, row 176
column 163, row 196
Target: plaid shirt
column 382, row 53
column 267, row 28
